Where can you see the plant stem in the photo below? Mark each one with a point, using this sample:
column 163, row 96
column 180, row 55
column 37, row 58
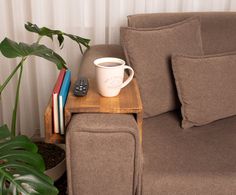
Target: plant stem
column 13, row 122
column 39, row 38
column 9, row 78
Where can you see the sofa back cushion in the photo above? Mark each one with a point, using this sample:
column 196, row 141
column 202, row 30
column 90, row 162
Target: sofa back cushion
column 206, row 87
column 149, row 52
column 218, row 28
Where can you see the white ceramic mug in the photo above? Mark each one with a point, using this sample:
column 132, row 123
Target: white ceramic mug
column 110, row 75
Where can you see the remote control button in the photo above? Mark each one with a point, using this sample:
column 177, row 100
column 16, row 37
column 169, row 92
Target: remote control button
column 81, row 87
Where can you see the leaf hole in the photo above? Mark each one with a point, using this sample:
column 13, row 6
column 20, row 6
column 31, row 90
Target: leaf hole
column 7, row 184
column 10, row 169
column 16, row 175
column 3, row 161
column 28, row 188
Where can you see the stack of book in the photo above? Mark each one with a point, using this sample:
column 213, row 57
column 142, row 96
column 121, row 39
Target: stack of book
column 59, row 98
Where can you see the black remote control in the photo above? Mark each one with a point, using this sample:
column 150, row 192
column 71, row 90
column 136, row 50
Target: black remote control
column 81, row 87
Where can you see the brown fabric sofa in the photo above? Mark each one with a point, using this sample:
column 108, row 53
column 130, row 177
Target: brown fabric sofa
column 103, row 151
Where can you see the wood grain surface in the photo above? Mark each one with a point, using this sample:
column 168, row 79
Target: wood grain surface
column 128, row 101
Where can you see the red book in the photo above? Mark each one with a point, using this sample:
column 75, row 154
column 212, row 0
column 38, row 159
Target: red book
column 55, row 95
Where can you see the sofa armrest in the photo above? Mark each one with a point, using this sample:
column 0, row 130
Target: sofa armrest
column 98, row 51
column 103, row 154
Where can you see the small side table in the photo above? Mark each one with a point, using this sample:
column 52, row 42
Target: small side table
column 128, row 101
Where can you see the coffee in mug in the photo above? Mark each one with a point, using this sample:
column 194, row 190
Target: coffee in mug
column 110, row 75
column 109, row 64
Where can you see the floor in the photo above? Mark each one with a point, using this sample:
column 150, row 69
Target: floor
column 61, row 185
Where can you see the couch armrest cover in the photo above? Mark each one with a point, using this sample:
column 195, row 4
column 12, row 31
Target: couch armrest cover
column 103, row 154
column 98, row 51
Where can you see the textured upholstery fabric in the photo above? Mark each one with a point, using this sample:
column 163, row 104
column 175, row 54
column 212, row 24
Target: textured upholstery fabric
column 149, row 51
column 196, row 161
column 218, row 28
column 98, row 51
column 206, row 87
column 103, row 154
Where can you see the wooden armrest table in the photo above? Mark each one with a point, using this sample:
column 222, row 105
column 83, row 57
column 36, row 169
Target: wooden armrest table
column 127, row 102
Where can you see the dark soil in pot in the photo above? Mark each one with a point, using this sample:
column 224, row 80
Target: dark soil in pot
column 51, row 153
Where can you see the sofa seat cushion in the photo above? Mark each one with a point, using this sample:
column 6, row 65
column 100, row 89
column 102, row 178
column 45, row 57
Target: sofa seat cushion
column 199, row 160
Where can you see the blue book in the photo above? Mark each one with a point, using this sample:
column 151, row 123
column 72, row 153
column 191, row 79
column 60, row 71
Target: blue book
column 62, row 99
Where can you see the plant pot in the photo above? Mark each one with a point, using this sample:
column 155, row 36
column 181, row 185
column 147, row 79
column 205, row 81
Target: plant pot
column 55, row 167
column 56, row 172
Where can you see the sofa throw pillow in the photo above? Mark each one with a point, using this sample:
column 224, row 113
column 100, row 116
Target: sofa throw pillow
column 149, row 51
column 206, row 87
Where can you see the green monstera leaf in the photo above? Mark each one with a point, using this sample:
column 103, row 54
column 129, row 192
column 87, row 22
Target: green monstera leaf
column 21, row 167
column 4, row 132
column 44, row 31
column 12, row 49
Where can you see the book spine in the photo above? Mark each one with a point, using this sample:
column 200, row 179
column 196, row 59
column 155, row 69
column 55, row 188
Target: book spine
column 55, row 113
column 61, row 114
column 62, row 99
column 55, row 97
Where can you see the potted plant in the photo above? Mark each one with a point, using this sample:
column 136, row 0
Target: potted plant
column 21, row 166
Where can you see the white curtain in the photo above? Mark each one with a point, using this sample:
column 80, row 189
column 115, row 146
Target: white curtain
column 98, row 20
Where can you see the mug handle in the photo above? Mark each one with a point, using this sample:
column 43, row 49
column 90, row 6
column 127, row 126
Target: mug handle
column 130, row 76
